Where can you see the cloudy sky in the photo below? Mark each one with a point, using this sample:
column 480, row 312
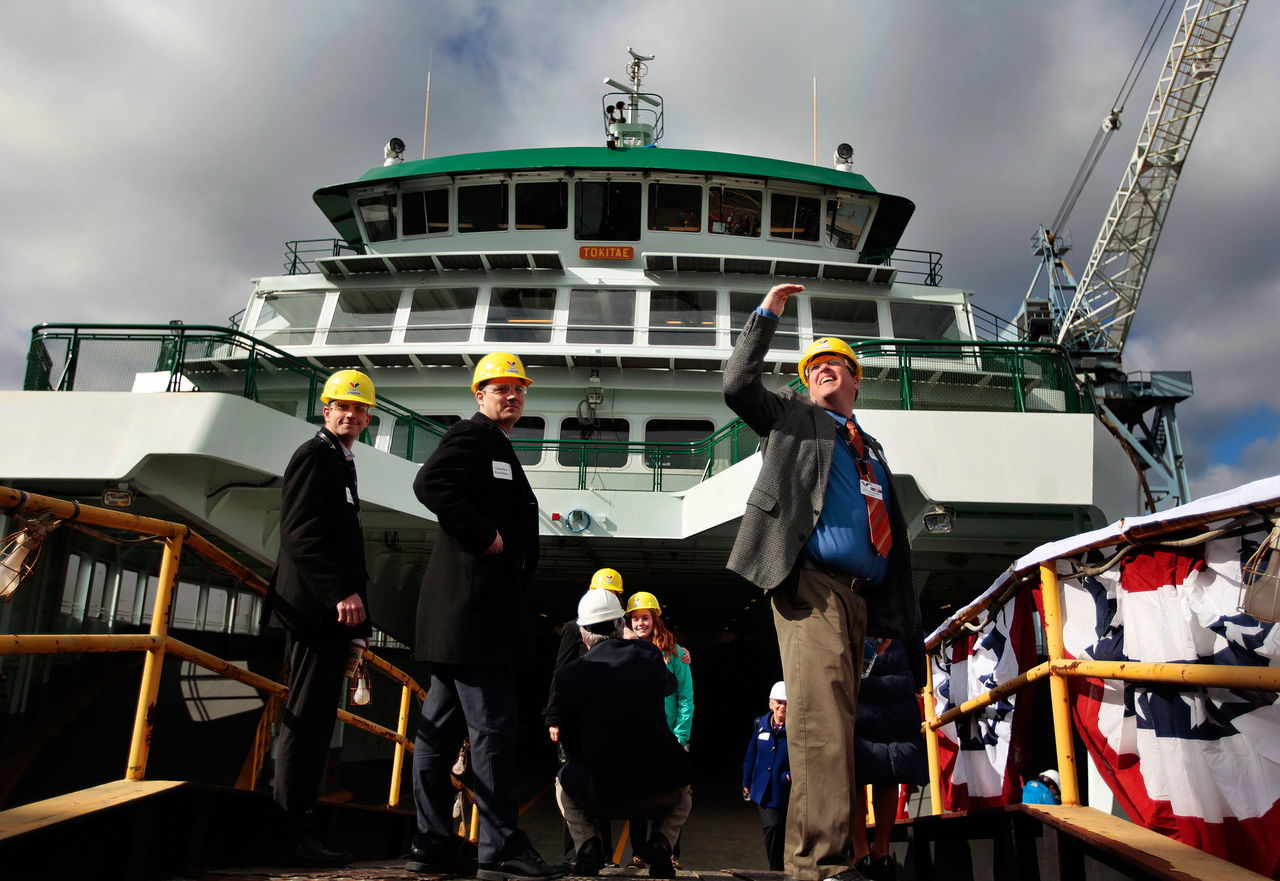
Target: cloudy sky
column 154, row 156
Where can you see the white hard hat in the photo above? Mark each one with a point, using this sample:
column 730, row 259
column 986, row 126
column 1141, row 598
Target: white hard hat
column 597, row 606
column 778, row 692
column 1053, row 776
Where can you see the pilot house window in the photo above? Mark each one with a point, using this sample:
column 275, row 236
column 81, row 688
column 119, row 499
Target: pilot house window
column 542, row 205
column 424, row 212
column 845, row 222
column 607, row 211
column 675, row 207
column 793, row 217
column 482, row 208
column 732, row 211
column 378, row 214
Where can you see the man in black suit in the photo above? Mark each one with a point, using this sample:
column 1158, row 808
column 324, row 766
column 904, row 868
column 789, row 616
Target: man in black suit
column 622, row 759
column 317, row 592
column 470, row 629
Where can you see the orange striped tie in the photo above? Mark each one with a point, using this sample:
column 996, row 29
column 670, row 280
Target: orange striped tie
column 877, row 513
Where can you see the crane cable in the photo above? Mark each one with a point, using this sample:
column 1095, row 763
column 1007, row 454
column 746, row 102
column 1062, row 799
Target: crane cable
column 1112, row 122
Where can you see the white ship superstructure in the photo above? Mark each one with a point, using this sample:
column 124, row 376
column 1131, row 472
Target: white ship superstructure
column 620, row 274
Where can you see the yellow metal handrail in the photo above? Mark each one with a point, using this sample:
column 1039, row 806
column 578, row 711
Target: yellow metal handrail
column 158, row 642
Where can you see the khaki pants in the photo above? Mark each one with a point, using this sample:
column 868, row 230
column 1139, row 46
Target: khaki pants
column 820, row 627
column 669, row 809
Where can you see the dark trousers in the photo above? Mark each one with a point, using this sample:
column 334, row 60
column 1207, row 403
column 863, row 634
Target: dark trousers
column 774, row 821
column 306, row 726
column 479, row 703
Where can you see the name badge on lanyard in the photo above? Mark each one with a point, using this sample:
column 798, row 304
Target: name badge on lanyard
column 872, row 489
column 502, row 470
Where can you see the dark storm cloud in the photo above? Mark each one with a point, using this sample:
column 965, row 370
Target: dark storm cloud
column 154, row 156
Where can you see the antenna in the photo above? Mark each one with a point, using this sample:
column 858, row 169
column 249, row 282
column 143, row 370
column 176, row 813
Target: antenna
column 426, row 110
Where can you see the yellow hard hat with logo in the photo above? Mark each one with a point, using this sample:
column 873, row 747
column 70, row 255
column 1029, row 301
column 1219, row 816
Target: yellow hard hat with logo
column 499, row 365
column 606, row 579
column 349, row 385
column 642, row 599
column 829, row 345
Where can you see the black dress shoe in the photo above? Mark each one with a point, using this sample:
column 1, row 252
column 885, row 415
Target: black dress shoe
column 590, row 857
column 657, row 853
column 311, row 853
column 460, row 861
column 882, row 869
column 527, row 866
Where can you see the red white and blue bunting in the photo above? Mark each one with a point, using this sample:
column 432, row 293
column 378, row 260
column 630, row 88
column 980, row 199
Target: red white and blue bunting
column 1199, row 764
column 982, row 753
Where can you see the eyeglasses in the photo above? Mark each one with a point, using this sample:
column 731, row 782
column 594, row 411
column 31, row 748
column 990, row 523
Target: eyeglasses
column 504, row 390
column 824, row 359
column 349, row 407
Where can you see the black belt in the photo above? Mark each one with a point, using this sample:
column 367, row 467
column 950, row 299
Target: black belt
column 854, row 583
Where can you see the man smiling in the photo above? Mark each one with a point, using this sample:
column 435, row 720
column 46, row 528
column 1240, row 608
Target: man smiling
column 823, row 534
column 317, row 592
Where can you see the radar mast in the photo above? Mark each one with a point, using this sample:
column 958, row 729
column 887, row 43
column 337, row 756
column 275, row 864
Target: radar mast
column 626, row 123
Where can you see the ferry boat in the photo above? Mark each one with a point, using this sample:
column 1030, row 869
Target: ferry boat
column 621, row 274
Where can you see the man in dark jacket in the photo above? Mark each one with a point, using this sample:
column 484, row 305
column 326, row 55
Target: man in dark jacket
column 471, row 625
column 317, row 592
column 823, row 533
column 622, row 759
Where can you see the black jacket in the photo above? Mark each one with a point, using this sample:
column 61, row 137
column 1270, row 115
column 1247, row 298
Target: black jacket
column 888, row 746
column 613, row 723
column 571, row 648
column 321, row 560
column 471, row 605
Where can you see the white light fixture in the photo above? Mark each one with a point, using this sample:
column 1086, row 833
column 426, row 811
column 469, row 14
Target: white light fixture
column 118, row 496
column 939, row 520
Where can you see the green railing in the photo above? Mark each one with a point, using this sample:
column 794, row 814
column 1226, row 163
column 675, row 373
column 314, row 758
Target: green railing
column 1006, row 377
column 897, row 375
column 186, row 357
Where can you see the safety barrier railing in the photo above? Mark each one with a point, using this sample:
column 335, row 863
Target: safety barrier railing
column 914, row 266
column 159, row 643
column 185, row 357
column 300, row 254
column 897, row 375
column 1247, row 518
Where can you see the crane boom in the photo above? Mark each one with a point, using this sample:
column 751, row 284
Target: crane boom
column 1106, row 297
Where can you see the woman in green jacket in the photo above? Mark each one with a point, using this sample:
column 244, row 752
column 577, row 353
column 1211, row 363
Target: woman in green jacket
column 644, row 621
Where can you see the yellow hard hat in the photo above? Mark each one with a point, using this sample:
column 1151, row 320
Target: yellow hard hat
column 606, row 579
column 642, row 599
column 349, row 385
column 829, row 345
column 499, row 365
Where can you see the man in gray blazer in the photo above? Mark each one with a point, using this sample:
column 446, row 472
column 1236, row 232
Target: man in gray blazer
column 823, row 534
